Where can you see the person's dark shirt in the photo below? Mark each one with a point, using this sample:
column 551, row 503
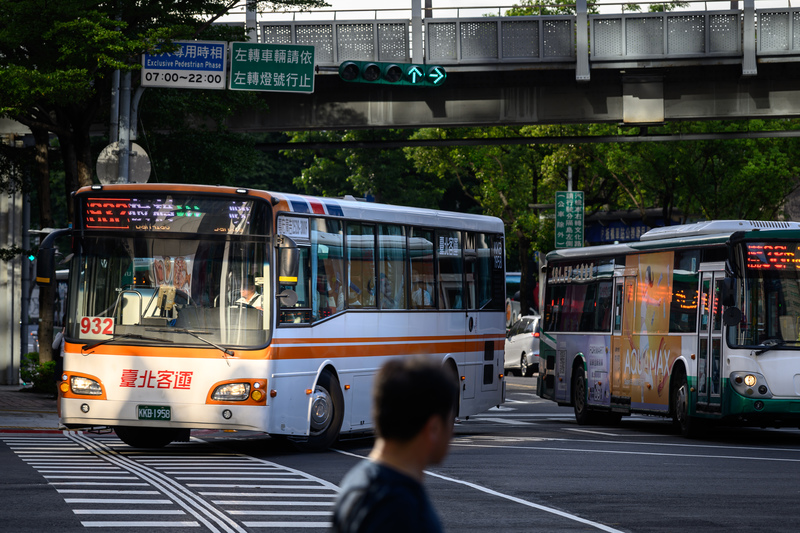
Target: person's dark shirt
column 376, row 498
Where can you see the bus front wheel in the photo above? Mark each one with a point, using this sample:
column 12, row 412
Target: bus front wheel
column 327, row 413
column 686, row 424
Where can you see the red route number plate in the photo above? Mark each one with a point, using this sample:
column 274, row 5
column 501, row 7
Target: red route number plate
column 96, row 327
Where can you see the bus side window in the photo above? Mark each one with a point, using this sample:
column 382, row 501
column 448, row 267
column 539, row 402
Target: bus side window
column 392, row 267
column 420, row 247
column 327, row 266
column 451, row 269
column 361, row 265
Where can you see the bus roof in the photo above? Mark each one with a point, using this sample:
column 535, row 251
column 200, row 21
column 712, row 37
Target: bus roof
column 697, row 234
column 337, row 207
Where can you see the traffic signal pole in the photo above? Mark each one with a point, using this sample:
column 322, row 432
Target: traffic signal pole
column 416, row 31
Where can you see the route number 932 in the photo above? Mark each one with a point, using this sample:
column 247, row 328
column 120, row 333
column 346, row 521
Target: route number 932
column 96, row 327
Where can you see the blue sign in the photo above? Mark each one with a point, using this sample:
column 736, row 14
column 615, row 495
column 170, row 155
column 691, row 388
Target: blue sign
column 193, row 65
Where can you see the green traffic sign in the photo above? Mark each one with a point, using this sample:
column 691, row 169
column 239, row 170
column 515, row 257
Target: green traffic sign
column 392, row 73
column 569, row 219
column 287, row 68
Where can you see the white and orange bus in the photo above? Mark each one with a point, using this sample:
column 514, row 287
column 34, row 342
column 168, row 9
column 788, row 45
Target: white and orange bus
column 162, row 336
column 700, row 323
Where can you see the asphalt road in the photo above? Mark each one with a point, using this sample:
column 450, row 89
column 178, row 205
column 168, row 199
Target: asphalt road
column 526, row 466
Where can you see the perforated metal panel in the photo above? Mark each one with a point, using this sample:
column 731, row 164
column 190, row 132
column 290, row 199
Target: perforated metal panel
column 478, row 40
column 441, row 40
column 393, row 41
column 644, row 36
column 319, row 35
column 520, row 39
column 606, row 38
column 558, row 38
column 686, row 35
column 773, row 31
column 724, row 33
column 796, row 30
column 276, row 33
column 355, row 41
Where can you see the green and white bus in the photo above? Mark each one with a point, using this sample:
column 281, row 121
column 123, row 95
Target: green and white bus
column 699, row 322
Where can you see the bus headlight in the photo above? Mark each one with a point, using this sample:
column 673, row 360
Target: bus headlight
column 85, row 386
column 231, row 392
column 750, row 384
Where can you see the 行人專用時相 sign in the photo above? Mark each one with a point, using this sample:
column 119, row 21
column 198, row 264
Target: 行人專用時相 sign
column 193, row 65
column 285, row 68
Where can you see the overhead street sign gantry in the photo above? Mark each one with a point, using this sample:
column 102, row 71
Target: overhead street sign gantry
column 193, row 65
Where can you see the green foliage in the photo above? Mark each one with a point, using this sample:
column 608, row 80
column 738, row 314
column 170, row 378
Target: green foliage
column 40, row 375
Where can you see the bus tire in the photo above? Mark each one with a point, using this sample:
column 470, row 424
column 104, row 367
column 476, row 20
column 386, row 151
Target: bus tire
column 583, row 414
column 680, row 397
column 145, row 437
column 327, row 414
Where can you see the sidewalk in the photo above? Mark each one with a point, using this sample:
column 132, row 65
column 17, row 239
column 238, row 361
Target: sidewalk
column 26, row 411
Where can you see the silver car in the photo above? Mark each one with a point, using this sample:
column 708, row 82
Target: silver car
column 522, row 346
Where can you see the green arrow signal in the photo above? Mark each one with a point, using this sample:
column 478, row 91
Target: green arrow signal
column 437, row 75
column 415, row 73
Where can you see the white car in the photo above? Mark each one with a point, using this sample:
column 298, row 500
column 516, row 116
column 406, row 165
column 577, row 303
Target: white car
column 522, row 346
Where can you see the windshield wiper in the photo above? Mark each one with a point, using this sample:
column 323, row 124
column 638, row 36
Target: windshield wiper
column 771, row 344
column 88, row 347
column 224, row 350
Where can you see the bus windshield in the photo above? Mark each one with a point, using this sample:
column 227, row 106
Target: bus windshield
column 770, row 296
column 157, row 288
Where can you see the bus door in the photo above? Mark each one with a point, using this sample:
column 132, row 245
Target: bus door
column 709, row 343
column 621, row 338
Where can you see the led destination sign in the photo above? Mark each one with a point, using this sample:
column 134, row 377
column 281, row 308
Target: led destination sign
column 172, row 214
column 772, row 256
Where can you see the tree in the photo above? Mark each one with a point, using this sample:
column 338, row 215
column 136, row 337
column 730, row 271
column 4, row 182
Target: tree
column 56, row 61
column 504, row 180
column 383, row 173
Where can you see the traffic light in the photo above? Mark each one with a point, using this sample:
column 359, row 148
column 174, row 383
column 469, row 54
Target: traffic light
column 392, row 73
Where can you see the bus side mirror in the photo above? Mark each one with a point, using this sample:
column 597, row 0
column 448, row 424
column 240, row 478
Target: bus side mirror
column 289, row 262
column 728, row 292
column 46, row 258
column 731, row 316
column 46, row 266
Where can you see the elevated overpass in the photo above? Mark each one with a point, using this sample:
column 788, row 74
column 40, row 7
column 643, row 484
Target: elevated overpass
column 628, row 68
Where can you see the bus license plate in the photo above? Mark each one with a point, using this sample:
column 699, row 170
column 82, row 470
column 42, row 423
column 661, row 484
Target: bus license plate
column 154, row 412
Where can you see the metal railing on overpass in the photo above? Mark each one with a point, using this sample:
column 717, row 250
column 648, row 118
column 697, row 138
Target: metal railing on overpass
column 581, row 41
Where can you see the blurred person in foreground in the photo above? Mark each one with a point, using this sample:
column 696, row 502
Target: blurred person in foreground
column 414, row 406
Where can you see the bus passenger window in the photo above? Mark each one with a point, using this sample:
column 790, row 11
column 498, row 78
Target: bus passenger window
column 451, row 269
column 327, row 268
column 392, row 267
column 361, row 265
column 420, row 247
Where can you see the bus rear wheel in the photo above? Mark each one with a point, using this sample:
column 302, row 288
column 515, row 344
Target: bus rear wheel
column 327, row 413
column 144, row 437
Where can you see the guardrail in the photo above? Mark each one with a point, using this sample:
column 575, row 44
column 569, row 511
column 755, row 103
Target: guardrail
column 608, row 40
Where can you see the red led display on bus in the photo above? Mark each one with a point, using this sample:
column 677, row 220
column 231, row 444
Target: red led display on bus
column 772, row 256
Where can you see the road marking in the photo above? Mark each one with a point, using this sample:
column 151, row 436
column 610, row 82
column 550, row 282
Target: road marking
column 92, row 470
column 591, row 431
column 514, row 499
column 505, row 421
